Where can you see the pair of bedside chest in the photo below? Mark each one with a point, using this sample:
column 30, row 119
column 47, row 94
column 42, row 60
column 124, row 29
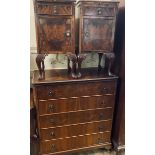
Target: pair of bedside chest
column 63, row 26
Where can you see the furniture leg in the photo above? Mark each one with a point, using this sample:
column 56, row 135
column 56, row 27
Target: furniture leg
column 99, row 62
column 41, row 66
column 69, row 67
column 80, row 58
column 72, row 58
column 110, row 58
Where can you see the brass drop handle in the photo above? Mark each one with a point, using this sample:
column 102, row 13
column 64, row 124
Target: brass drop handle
column 103, row 102
column 52, row 134
column 87, row 34
column 53, row 147
column 51, row 107
column 55, row 11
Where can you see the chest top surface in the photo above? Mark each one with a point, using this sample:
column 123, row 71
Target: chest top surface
column 62, row 76
column 61, row 1
column 109, row 1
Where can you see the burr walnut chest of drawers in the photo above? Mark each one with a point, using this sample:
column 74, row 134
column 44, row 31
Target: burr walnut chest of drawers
column 55, row 26
column 74, row 114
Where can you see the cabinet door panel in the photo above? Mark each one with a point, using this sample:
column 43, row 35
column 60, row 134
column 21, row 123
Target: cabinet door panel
column 98, row 34
column 55, row 35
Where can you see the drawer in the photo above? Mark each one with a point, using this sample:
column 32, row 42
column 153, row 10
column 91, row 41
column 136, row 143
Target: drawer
column 75, row 130
column 75, row 117
column 53, row 146
column 76, row 89
column 58, row 105
column 96, row 101
column 49, row 9
column 75, row 103
column 98, row 11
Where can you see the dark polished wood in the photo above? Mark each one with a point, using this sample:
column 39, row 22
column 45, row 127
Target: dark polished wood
column 76, row 64
column 54, row 146
column 97, row 28
column 119, row 68
column 55, row 26
column 74, row 114
column 41, row 66
column 75, row 103
column 76, row 129
column 76, row 117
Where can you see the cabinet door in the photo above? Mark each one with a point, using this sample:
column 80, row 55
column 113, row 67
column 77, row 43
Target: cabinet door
column 98, row 34
column 55, row 35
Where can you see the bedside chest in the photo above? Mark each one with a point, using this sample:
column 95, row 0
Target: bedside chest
column 97, row 20
column 74, row 114
column 55, row 26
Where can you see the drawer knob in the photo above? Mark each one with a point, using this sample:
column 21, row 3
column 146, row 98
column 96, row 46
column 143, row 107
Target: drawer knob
column 100, row 141
column 99, row 11
column 52, row 120
column 68, row 34
column 50, row 93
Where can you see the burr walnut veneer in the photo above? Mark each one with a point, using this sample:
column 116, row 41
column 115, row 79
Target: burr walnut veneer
column 55, row 26
column 74, row 114
column 97, row 19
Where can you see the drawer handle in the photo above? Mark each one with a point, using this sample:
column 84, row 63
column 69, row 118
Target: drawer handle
column 99, row 11
column 51, row 107
column 52, row 120
column 50, row 93
column 100, row 141
column 53, row 147
column 103, row 103
column 86, row 34
column 101, row 116
column 55, row 11
column 52, row 134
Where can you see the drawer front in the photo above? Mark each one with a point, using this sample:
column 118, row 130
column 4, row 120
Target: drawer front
column 76, row 90
column 58, row 145
column 96, row 101
column 75, row 103
column 48, row 9
column 98, row 11
column 75, row 117
column 75, row 130
column 55, row 34
column 57, row 105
